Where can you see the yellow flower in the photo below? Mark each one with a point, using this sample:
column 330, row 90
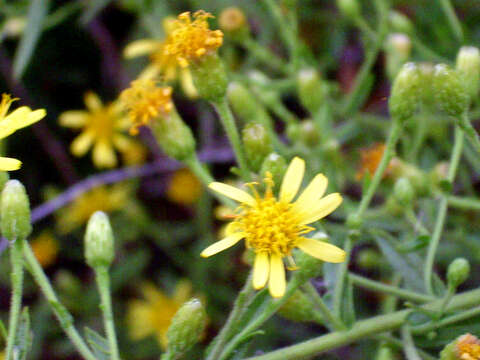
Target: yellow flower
column 102, row 198
column 184, row 187
column 144, row 101
column 370, row 159
column 17, row 119
column 152, row 316
column 45, row 248
column 468, row 347
column 274, row 227
column 102, row 126
column 232, row 19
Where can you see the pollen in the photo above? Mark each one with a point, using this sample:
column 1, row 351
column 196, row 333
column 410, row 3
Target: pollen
column 144, row 101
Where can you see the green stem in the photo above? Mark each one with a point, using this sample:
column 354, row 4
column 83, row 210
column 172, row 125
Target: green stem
column 264, row 55
column 408, row 344
column 390, row 340
column 16, row 277
column 446, row 299
column 61, row 313
column 388, row 289
column 464, row 203
column 453, row 21
column 103, row 284
column 442, row 211
column 228, row 122
column 470, row 132
column 464, row 315
column 427, row 53
column 363, row 329
column 341, row 278
column 416, row 223
column 419, row 137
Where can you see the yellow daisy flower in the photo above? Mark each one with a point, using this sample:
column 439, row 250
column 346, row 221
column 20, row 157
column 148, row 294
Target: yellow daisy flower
column 17, row 119
column 184, row 187
column 274, row 227
column 102, row 126
column 45, row 248
column 152, row 316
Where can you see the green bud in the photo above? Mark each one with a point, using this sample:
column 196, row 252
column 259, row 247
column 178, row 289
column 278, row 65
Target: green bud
column 257, row 144
column 349, row 8
column 400, row 23
column 99, row 241
column 385, row 352
column 186, row 328
column 300, row 308
column 276, row 165
column 309, row 134
column 398, row 48
column 468, row 66
column 457, row 272
column 210, row 78
column 404, row 191
column 427, row 71
column 354, row 221
column 308, row 266
column 369, row 259
column 310, row 90
column 293, row 132
column 15, row 211
column 174, row 136
column 404, row 98
column 450, row 92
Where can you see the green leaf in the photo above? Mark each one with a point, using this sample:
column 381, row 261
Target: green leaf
column 98, row 344
column 348, row 307
column 418, row 243
column 3, row 331
column 93, row 8
column 24, row 337
column 37, row 11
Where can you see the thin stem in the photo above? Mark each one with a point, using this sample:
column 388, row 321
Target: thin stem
column 453, row 21
column 333, row 321
column 16, row 277
column 465, row 203
column 419, row 137
column 426, row 52
column 464, row 315
column 264, row 55
column 228, row 122
column 442, row 211
column 103, row 284
column 390, row 340
column 61, row 313
column 408, row 344
column 470, row 132
column 341, row 278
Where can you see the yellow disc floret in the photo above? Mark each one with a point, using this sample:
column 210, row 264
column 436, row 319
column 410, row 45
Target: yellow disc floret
column 468, row 347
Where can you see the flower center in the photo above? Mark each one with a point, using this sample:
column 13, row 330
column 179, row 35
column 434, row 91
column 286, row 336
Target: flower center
column 101, row 123
column 469, row 351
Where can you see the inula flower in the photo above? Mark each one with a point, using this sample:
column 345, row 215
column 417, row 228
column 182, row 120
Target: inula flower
column 102, row 127
column 274, row 227
column 184, row 187
column 152, row 316
column 144, row 101
column 45, row 248
column 17, row 119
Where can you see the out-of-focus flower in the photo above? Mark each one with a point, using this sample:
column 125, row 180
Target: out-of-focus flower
column 102, row 126
column 45, row 247
column 136, row 154
column 232, row 19
column 370, row 159
column 274, row 227
column 153, row 314
column 17, row 119
column 466, row 347
column 103, row 198
column 14, row 26
column 184, row 187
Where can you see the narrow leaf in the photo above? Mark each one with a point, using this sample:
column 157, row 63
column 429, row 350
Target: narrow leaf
column 24, row 338
column 98, row 344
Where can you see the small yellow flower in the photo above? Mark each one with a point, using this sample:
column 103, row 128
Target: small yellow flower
column 102, row 126
column 232, row 19
column 468, row 347
column 45, row 248
column 102, row 198
column 184, row 187
column 152, row 316
column 274, row 227
column 17, row 119
column 144, row 101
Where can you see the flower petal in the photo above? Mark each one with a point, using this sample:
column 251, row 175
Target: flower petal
column 104, row 155
column 9, row 164
column 223, row 244
column 277, row 283
column 92, row 101
column 292, row 179
column 81, row 144
column 73, row 119
column 233, row 193
column 322, row 250
column 260, row 270
column 140, row 48
column 321, row 209
column 312, row 192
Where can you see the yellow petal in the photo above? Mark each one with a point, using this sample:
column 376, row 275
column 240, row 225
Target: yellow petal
column 292, row 179
column 277, row 283
column 122, row 142
column 321, row 209
column 81, row 144
column 140, row 48
column 233, row 193
column 221, row 245
column 92, row 101
column 139, row 319
column 150, row 72
column 73, row 119
column 24, row 116
column 104, row 155
column 322, row 250
column 313, row 192
column 9, row 164
column 260, row 270
column 32, row 117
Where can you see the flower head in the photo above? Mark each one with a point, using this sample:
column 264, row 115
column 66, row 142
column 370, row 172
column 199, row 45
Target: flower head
column 273, row 227
column 45, row 248
column 370, row 159
column 102, row 127
column 468, row 347
column 144, row 101
column 152, row 316
column 184, row 187
column 17, row 119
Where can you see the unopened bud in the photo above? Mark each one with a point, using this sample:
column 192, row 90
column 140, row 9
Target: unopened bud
column 385, row 353
column 99, row 241
column 369, row 259
column 427, row 72
column 257, row 144
column 186, row 328
column 349, row 8
column 450, row 92
column 15, row 211
column 398, row 49
column 300, row 308
column 400, row 23
column 457, row 272
column 210, row 78
column 233, row 22
column 404, row 191
column 311, row 90
column 276, row 165
column 309, row 134
column 404, row 99
column 468, row 66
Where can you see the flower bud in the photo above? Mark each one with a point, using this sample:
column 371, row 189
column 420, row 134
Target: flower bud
column 99, row 241
column 464, row 347
column 468, row 66
column 450, row 92
column 427, row 95
column 398, row 48
column 300, row 308
column 308, row 266
column 349, row 8
column 404, row 98
column 293, row 131
column 257, row 145
column 276, row 165
column 457, row 272
column 404, row 191
column 309, row 134
column 210, row 78
column 186, row 328
column 385, row 353
column 400, row 23
column 233, row 22
column 369, row 259
column 174, row 136
column 310, row 90
column 15, row 211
